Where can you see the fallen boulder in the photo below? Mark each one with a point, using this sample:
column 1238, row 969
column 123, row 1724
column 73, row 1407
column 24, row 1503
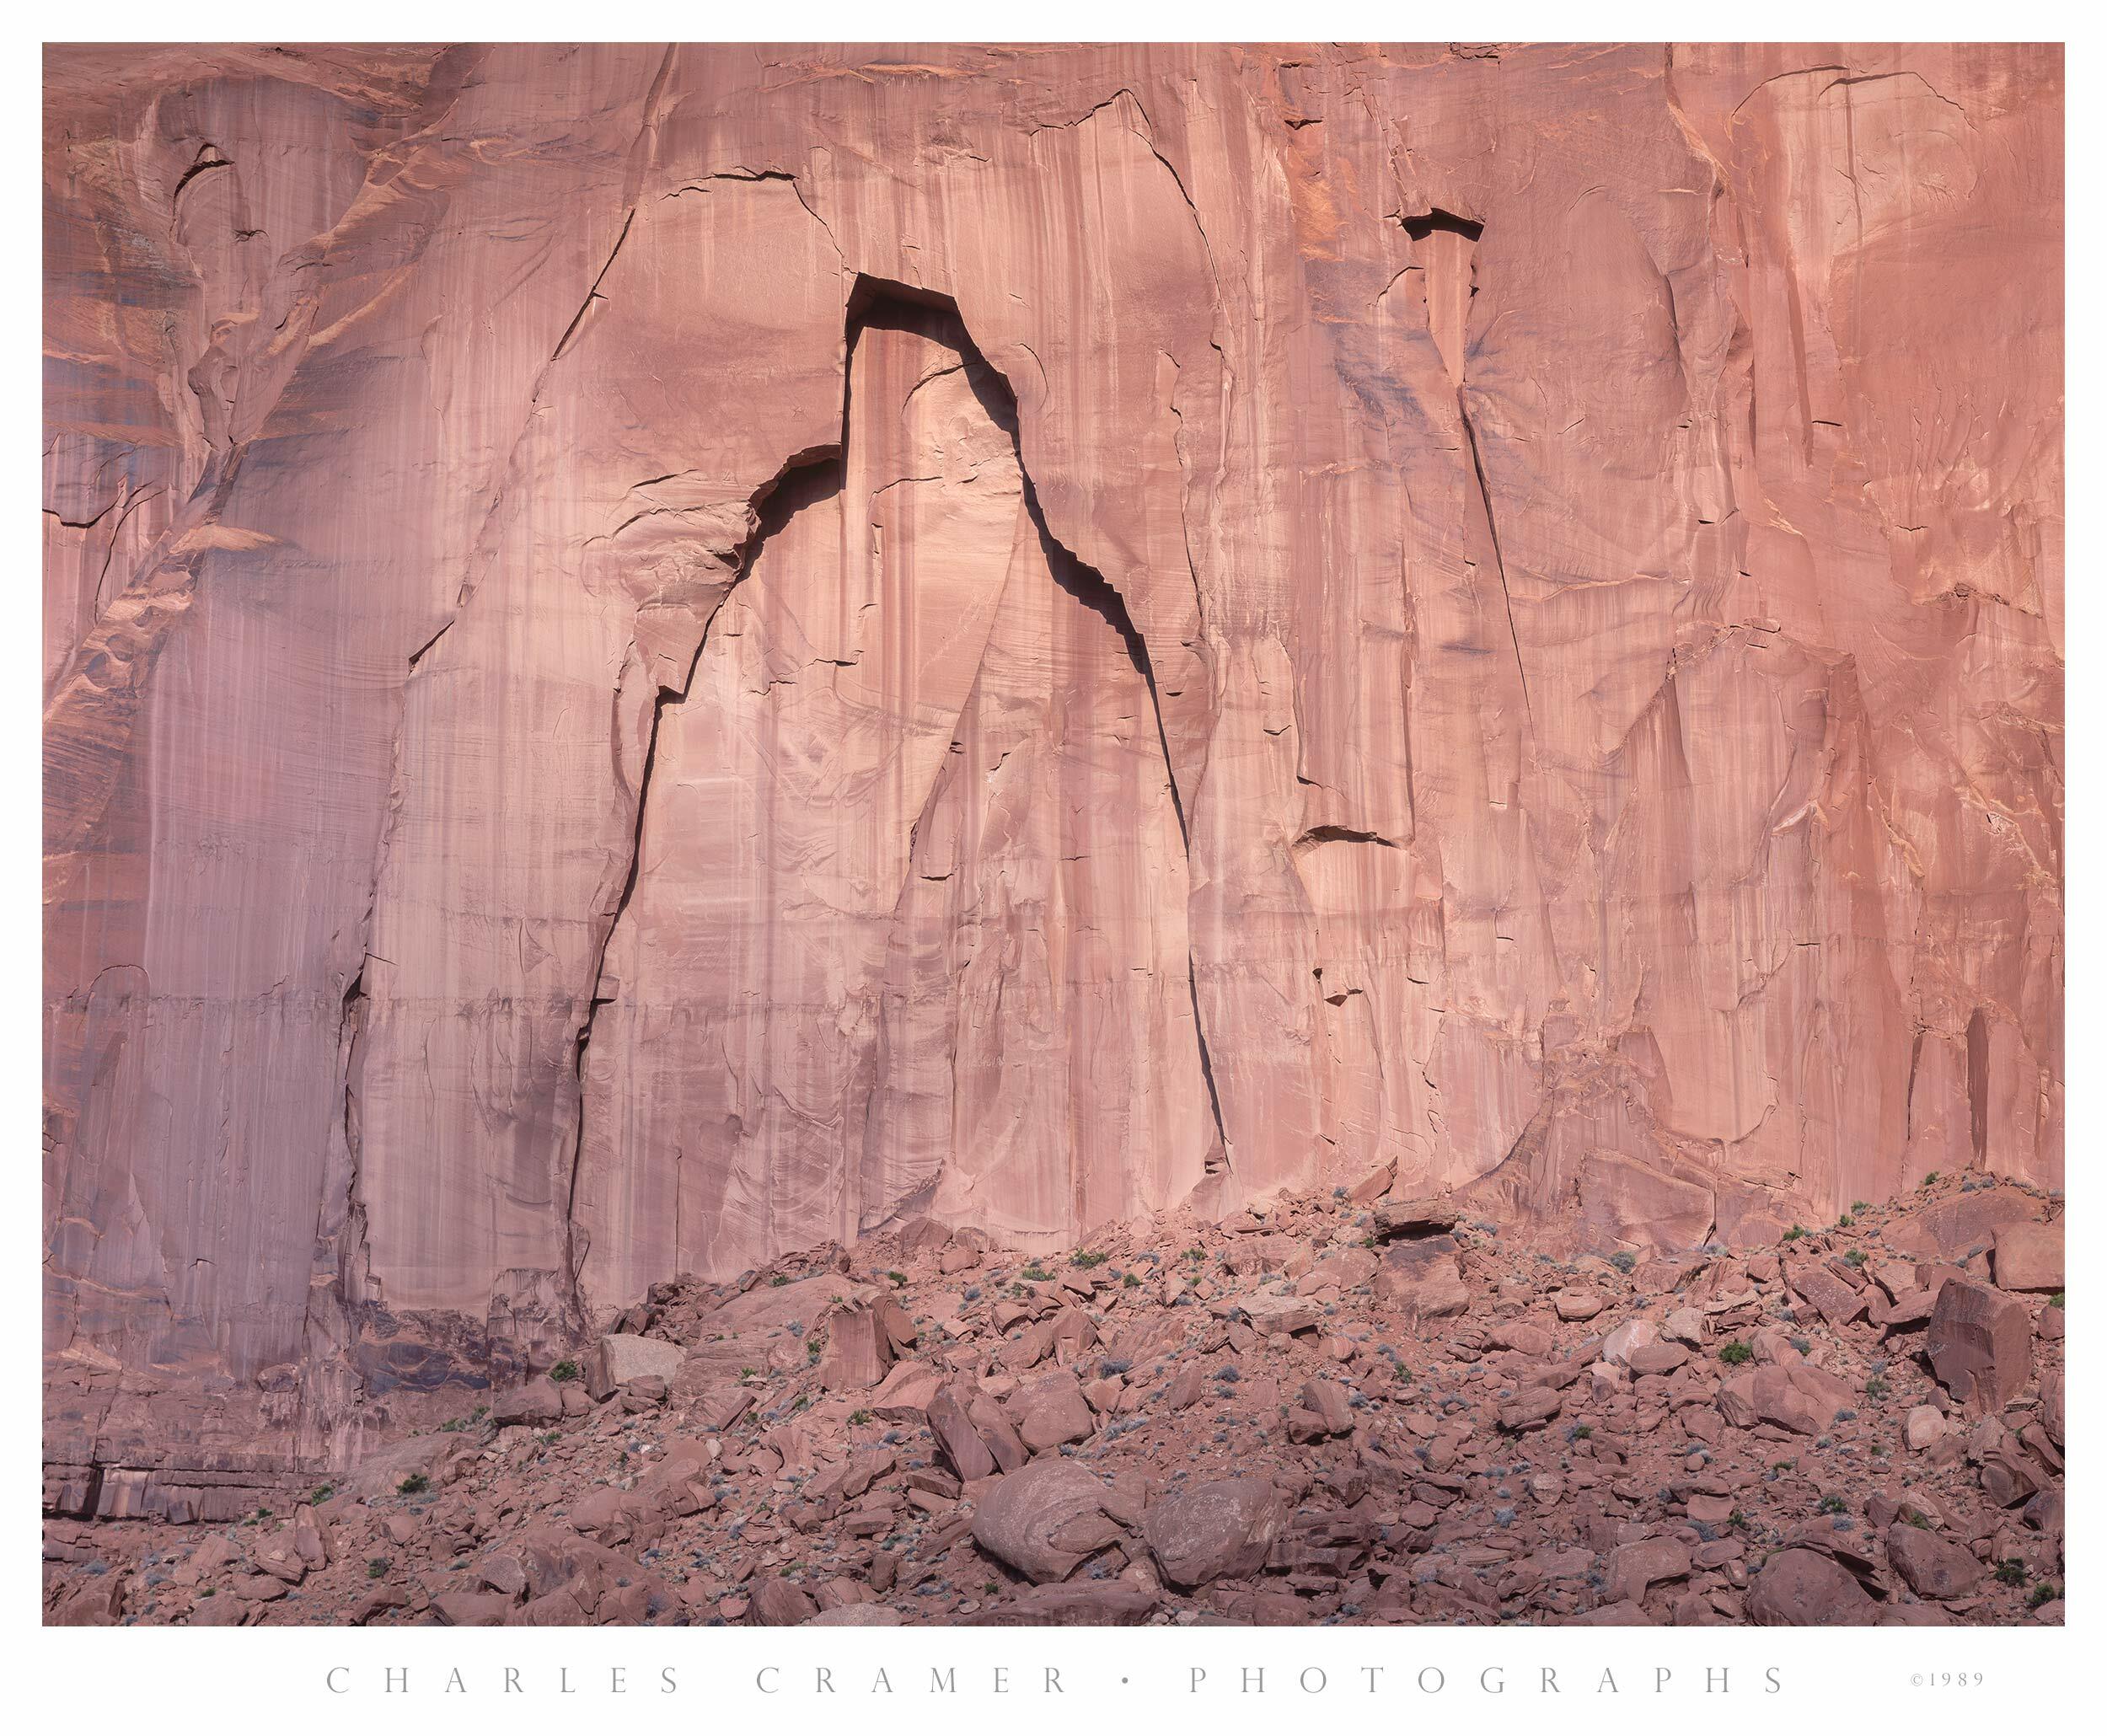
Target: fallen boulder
column 1415, row 1217
column 1981, row 1343
column 619, row 1358
column 1045, row 1519
column 2030, row 1256
column 1423, row 1277
column 1216, row 1530
column 1930, row 1565
column 1793, row 1396
column 1803, row 1588
column 534, row 1405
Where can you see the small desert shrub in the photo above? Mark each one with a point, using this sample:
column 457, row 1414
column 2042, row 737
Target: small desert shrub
column 414, row 1484
column 2012, row 1571
column 565, row 1370
column 1735, row 1351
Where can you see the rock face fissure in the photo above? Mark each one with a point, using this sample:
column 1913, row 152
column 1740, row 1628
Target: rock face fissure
column 1534, row 672
column 1089, row 585
column 1449, row 245
column 918, row 615
column 805, row 480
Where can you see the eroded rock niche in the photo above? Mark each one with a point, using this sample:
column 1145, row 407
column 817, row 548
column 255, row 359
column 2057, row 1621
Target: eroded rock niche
column 909, row 928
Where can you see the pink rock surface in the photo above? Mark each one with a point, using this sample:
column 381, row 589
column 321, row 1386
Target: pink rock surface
column 658, row 657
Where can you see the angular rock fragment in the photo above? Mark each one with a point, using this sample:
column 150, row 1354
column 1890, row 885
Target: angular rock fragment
column 1802, row 1588
column 905, row 1394
column 1981, row 1343
column 1214, row 1530
column 777, row 1603
column 1924, row 1425
column 534, row 1405
column 1839, row 1303
column 1520, row 1336
column 1796, row 1397
column 1636, row 1569
column 472, row 1608
column 857, row 1616
column 1269, row 1313
column 1530, row 1408
column 858, row 1351
column 957, row 1437
column 1423, row 1277
column 1051, row 1411
column 1415, row 1217
column 1930, row 1565
column 2030, row 1256
column 617, row 1359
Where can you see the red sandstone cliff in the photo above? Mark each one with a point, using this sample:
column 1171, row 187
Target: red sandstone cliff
column 659, row 656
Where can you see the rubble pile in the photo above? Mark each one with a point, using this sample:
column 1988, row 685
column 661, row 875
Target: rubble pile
column 1350, row 1407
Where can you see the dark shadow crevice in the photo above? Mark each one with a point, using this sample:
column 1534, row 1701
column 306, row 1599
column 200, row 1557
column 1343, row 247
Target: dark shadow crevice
column 1446, row 223
column 1421, row 227
column 807, row 478
column 882, row 304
